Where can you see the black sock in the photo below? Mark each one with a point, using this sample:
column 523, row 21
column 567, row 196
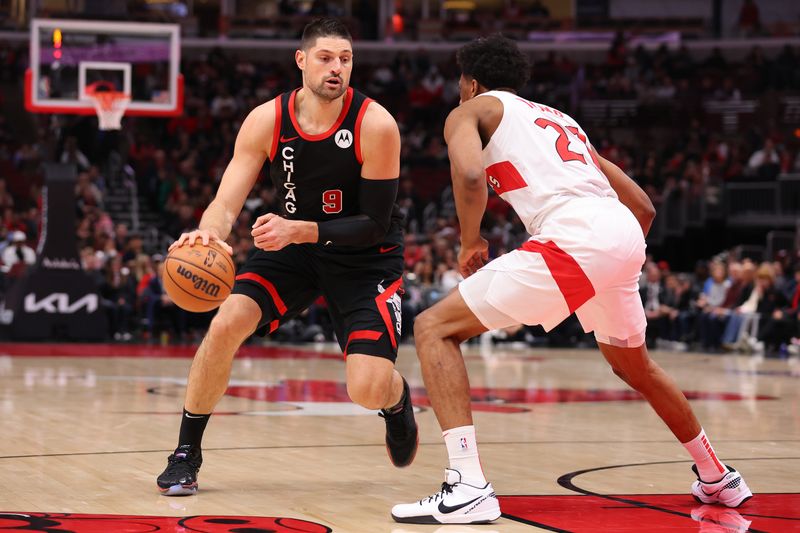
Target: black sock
column 192, row 428
column 393, row 410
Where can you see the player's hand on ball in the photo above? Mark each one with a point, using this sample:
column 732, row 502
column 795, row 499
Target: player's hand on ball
column 472, row 256
column 205, row 237
column 272, row 232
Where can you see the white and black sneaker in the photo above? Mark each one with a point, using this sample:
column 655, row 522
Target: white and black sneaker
column 456, row 503
column 730, row 491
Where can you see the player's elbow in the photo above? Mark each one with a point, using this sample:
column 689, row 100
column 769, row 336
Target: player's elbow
column 644, row 210
column 377, row 231
column 377, row 234
column 473, row 178
column 647, row 211
column 641, row 206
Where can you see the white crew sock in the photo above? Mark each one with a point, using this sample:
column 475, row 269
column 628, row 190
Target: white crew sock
column 709, row 467
column 462, row 448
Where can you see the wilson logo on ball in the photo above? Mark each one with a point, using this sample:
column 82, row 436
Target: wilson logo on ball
column 200, row 283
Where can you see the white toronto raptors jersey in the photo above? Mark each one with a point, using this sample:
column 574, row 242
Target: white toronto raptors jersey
column 538, row 159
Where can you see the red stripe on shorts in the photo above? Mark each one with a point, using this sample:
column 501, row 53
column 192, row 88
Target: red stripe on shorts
column 568, row 274
column 383, row 308
column 270, row 288
column 361, row 335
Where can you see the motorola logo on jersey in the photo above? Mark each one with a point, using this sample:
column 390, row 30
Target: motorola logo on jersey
column 343, row 138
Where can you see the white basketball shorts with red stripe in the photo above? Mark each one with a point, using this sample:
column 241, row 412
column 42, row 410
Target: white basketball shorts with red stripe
column 586, row 258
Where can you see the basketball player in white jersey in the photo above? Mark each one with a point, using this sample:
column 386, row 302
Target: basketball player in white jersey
column 587, row 221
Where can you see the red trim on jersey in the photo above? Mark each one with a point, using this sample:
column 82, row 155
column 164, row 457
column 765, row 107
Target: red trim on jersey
column 270, row 288
column 348, row 97
column 357, row 133
column 569, row 276
column 381, row 301
column 361, row 335
column 274, row 325
column 504, row 177
column 276, row 131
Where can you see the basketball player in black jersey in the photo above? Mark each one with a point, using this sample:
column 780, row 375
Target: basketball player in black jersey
column 335, row 160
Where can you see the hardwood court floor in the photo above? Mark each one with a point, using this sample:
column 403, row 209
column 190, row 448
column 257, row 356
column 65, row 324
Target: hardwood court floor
column 84, row 429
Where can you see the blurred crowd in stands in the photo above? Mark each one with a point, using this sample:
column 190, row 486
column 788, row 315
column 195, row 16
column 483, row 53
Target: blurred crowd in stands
column 729, row 302
column 521, row 19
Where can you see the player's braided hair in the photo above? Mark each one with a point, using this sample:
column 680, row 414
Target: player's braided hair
column 495, row 62
column 324, row 27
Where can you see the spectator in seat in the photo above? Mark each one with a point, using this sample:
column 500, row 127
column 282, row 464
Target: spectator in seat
column 779, row 326
column 765, row 163
column 678, row 309
column 653, row 295
column 713, row 316
column 118, row 296
column 160, row 310
column 749, row 19
column 17, row 255
column 741, row 331
column 538, row 10
column 72, row 154
column 712, row 320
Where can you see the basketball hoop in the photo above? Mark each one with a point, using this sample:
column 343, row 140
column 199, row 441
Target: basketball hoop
column 109, row 104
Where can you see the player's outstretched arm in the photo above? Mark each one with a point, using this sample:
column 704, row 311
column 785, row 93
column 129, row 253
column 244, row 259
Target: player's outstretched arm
column 250, row 152
column 380, row 150
column 630, row 194
column 469, row 185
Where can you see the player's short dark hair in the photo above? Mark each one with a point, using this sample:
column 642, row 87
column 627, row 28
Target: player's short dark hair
column 324, row 27
column 495, row 62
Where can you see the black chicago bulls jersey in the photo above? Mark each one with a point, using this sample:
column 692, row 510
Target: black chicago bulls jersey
column 317, row 176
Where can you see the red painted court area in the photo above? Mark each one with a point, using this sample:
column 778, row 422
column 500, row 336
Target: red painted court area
column 143, row 350
column 107, row 523
column 653, row 513
column 483, row 399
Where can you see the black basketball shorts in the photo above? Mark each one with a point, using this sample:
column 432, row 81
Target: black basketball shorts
column 362, row 289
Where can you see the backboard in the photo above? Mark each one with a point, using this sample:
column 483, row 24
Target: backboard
column 68, row 56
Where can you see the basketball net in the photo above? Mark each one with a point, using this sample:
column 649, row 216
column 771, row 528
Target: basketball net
column 109, row 106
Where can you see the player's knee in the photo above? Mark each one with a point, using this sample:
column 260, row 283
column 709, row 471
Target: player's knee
column 368, row 392
column 640, row 374
column 426, row 326
column 229, row 326
column 620, row 373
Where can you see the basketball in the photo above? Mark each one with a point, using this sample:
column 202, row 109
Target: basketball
column 198, row 278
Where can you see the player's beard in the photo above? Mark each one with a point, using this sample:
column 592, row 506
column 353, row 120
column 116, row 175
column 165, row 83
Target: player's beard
column 328, row 93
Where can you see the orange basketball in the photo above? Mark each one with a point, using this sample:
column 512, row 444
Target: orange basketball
column 198, row 278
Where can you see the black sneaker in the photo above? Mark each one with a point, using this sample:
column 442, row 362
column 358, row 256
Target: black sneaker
column 180, row 476
column 402, row 436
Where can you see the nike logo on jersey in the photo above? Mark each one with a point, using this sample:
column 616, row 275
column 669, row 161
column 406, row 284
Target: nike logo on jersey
column 387, row 249
column 288, row 139
column 445, row 509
